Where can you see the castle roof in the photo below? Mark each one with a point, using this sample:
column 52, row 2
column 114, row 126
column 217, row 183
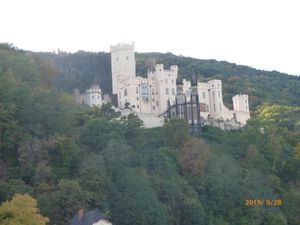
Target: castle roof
column 89, row 218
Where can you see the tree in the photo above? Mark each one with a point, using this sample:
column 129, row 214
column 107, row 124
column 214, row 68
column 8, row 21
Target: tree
column 133, row 201
column 31, row 156
column 98, row 132
column 93, row 178
column 64, row 155
column 21, row 210
column 176, row 133
column 194, row 156
column 62, row 203
column 297, row 151
column 11, row 187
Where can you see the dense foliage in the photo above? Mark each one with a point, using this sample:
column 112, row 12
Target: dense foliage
column 68, row 156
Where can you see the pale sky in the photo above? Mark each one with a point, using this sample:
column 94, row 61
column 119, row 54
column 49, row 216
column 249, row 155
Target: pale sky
column 264, row 34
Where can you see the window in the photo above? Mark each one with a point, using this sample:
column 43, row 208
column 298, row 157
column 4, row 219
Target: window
column 137, row 98
column 157, row 103
column 245, row 101
column 125, row 92
column 219, row 94
column 137, row 106
column 203, row 95
column 167, row 91
column 172, row 81
column 137, row 90
column 92, row 96
column 98, row 96
column 127, row 57
column 153, row 107
column 173, row 91
column 117, row 59
column 220, row 107
column 166, row 81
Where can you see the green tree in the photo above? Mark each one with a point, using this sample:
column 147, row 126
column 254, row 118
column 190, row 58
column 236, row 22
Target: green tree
column 64, row 155
column 67, row 198
column 176, row 133
column 133, row 201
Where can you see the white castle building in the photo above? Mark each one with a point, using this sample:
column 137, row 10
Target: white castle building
column 152, row 96
column 92, row 97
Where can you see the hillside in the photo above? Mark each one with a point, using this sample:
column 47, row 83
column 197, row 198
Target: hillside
column 68, row 156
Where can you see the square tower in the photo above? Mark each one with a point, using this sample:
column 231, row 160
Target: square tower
column 122, row 64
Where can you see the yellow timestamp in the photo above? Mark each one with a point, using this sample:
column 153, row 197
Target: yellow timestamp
column 262, row 202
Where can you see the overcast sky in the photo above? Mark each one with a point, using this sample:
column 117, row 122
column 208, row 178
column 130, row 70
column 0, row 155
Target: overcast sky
column 264, row 34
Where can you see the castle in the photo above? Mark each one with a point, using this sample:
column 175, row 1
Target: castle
column 162, row 93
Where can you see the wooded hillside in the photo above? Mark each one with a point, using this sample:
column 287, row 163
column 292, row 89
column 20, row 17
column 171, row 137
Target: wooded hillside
column 67, row 156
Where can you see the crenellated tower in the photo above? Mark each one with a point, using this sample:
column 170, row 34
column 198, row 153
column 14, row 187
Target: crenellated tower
column 122, row 64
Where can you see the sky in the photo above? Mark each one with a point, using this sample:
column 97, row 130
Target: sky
column 264, row 34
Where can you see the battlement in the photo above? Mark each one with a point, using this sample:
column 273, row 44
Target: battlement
column 94, row 89
column 239, row 96
column 159, row 69
column 215, row 84
column 122, row 47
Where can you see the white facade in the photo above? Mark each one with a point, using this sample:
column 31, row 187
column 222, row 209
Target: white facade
column 122, row 64
column 92, row 97
column 211, row 102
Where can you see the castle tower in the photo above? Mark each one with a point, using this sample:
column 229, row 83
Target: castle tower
column 240, row 103
column 122, row 64
column 215, row 98
column 93, row 96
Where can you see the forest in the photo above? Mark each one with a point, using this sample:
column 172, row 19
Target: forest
column 56, row 156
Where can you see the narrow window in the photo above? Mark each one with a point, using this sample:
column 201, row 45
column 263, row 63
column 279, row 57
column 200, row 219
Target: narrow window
column 167, row 91
column 125, row 92
column 203, row 95
column 173, row 91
